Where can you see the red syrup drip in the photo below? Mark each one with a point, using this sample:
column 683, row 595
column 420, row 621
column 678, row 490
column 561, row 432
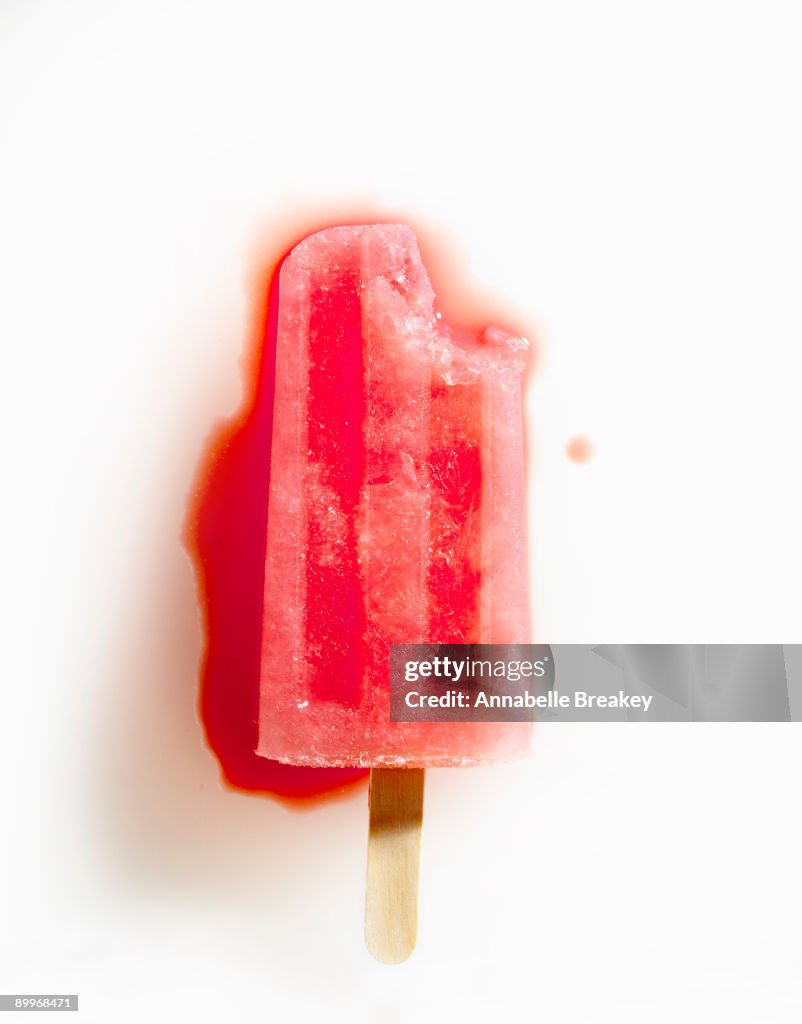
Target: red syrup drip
column 226, row 535
column 579, row 449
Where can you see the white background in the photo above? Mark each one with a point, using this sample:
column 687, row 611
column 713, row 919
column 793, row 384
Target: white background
column 622, row 178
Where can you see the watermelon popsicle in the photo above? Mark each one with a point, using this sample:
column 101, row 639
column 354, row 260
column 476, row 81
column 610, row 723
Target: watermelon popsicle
column 396, row 505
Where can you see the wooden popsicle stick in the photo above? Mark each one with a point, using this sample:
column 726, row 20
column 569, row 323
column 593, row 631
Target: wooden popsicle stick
column 391, row 896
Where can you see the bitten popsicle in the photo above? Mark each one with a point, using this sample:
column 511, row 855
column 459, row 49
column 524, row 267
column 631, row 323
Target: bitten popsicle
column 396, row 509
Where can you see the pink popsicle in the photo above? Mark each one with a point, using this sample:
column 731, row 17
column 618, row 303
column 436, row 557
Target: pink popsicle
column 396, row 506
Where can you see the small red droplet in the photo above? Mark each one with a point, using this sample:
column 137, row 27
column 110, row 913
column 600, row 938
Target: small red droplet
column 579, row 449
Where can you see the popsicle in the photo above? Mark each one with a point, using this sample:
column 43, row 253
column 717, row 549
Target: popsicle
column 396, row 506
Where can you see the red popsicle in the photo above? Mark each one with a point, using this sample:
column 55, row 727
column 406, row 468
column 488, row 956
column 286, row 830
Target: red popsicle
column 396, row 515
column 396, row 504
